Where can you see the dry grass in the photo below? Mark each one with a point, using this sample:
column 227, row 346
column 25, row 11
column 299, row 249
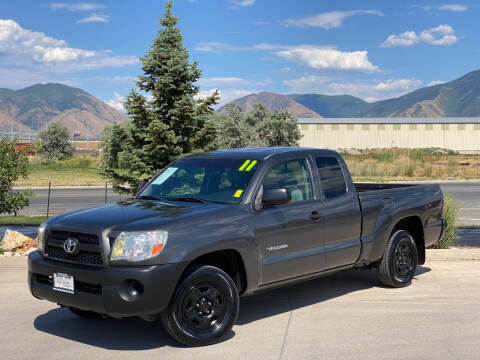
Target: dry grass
column 414, row 164
column 78, row 171
column 367, row 165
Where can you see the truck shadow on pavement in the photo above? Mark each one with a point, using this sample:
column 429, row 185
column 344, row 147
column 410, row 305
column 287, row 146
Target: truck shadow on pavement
column 106, row 333
column 137, row 334
column 286, row 299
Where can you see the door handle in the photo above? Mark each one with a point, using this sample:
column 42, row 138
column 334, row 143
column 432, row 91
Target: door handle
column 315, row 215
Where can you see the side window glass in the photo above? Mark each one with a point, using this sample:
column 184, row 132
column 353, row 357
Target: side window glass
column 292, row 175
column 331, row 177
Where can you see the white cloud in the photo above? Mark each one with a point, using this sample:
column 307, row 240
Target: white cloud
column 436, row 82
column 398, row 85
column 322, row 58
column 306, row 84
column 453, row 7
column 231, row 81
column 446, row 7
column 441, row 35
column 219, row 47
column 117, row 102
column 20, row 78
column 315, row 57
column 241, row 3
column 94, row 18
column 112, row 79
column 369, row 91
column 20, row 46
column 75, row 6
column 328, row 20
column 220, row 80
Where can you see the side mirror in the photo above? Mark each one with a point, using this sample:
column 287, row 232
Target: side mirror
column 141, row 186
column 276, row 196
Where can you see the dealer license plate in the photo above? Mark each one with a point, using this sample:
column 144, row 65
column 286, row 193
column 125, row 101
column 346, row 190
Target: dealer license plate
column 63, row 283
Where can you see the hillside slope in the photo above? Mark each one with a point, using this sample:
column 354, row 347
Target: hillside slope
column 457, row 98
column 333, row 106
column 275, row 102
column 36, row 106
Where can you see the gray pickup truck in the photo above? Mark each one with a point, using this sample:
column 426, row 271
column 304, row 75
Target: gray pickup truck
column 213, row 226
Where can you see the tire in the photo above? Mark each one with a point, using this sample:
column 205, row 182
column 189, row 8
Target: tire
column 399, row 263
column 204, row 307
column 84, row 314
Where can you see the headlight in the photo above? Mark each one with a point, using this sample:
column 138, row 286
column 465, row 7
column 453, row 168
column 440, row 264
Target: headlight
column 138, row 246
column 41, row 237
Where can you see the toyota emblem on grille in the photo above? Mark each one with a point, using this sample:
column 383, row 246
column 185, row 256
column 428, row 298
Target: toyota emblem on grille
column 70, row 245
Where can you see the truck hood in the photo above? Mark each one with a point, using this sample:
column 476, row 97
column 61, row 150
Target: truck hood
column 133, row 215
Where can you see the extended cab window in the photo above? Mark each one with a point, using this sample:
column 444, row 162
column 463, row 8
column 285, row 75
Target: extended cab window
column 331, row 177
column 292, row 175
column 218, row 180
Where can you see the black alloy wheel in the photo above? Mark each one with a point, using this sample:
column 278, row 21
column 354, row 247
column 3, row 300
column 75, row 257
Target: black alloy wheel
column 403, row 259
column 399, row 262
column 204, row 307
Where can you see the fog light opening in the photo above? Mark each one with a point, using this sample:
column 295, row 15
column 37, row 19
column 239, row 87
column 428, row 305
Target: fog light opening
column 131, row 290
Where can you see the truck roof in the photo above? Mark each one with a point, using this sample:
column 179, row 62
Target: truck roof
column 259, row 153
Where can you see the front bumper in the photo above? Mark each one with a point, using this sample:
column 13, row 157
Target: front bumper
column 105, row 290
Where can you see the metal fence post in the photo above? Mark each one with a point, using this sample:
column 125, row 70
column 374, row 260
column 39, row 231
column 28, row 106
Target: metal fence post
column 48, row 200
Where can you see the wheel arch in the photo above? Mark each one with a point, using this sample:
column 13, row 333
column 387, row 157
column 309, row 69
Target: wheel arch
column 413, row 224
column 228, row 260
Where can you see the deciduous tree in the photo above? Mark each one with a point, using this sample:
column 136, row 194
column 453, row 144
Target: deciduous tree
column 54, row 142
column 13, row 165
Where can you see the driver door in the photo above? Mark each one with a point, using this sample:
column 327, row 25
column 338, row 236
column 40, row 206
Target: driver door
column 290, row 237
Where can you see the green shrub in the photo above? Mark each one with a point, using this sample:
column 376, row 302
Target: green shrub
column 450, row 212
column 55, row 143
column 13, row 166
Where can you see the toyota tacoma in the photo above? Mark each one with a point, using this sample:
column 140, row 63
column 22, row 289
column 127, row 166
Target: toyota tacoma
column 214, row 226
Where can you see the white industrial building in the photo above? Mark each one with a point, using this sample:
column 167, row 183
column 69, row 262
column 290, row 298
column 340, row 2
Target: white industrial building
column 459, row 134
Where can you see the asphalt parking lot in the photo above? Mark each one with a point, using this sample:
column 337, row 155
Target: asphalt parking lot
column 345, row 316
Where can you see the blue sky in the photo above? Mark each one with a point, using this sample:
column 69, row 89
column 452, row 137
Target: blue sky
column 370, row 49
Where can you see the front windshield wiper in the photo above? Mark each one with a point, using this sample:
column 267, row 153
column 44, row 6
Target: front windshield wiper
column 188, row 199
column 149, row 197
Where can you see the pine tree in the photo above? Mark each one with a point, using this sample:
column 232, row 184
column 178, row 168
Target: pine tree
column 173, row 123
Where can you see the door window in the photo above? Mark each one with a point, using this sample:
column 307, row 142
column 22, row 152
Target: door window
column 331, row 177
column 292, row 175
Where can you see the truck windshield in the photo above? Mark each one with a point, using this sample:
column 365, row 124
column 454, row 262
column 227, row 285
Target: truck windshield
column 203, row 180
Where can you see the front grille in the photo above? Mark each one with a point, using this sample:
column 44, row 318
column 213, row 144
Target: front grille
column 82, row 258
column 44, row 279
column 88, row 287
column 82, row 238
column 88, row 252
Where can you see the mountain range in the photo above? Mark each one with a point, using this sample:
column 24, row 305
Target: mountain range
column 34, row 107
column 457, row 98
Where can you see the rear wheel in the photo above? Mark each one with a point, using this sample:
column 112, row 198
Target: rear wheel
column 399, row 263
column 204, row 308
column 85, row 314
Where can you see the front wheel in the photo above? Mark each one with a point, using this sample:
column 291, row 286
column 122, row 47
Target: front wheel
column 399, row 263
column 204, row 307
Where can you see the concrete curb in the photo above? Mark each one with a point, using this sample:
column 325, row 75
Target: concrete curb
column 453, row 254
